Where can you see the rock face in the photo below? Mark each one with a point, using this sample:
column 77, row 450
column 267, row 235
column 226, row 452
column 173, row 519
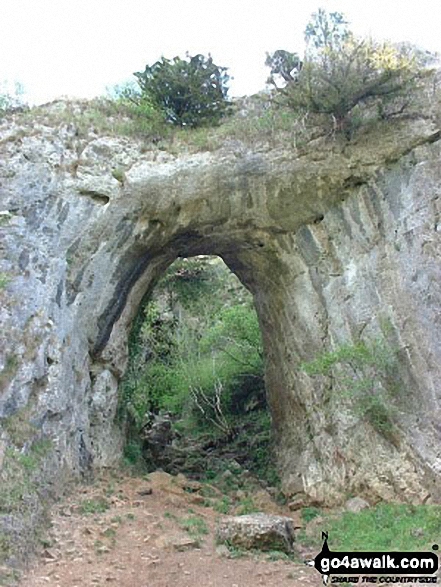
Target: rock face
column 333, row 242
column 257, row 531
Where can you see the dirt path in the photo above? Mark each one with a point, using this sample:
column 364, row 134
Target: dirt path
column 159, row 532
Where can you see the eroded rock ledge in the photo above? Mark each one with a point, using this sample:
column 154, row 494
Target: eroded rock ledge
column 332, row 242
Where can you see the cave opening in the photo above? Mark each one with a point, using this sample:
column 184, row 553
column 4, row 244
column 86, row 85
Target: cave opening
column 193, row 397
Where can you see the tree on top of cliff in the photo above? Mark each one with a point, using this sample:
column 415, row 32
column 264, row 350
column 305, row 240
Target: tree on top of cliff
column 189, row 92
column 340, row 72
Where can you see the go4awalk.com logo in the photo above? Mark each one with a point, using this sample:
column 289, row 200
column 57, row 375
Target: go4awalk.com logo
column 375, row 567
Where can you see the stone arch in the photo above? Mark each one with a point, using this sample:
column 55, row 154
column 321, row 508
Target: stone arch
column 326, row 238
column 252, row 258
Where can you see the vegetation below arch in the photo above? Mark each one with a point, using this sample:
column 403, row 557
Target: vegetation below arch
column 196, row 360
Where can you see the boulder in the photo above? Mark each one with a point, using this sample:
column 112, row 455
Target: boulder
column 356, row 505
column 257, row 531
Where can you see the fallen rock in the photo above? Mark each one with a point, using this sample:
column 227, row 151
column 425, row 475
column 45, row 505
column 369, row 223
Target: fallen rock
column 356, row 505
column 222, row 551
column 146, row 491
column 257, row 531
column 177, row 542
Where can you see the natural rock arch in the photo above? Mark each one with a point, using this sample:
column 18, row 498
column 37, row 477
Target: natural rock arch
column 328, row 240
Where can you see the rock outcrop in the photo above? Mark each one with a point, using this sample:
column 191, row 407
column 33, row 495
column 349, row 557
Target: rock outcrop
column 333, row 241
column 257, row 531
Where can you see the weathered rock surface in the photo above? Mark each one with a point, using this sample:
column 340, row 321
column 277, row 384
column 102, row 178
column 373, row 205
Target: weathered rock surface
column 356, row 505
column 257, row 531
column 333, row 242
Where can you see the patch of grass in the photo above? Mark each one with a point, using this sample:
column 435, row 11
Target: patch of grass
column 133, row 453
column 9, row 370
column 208, row 491
column 195, row 526
column 109, row 533
column 384, row 527
column 9, row 577
column 5, row 548
column 223, row 506
column 236, row 552
column 41, row 448
column 277, row 555
column 18, row 426
column 246, row 506
column 310, row 513
column 110, row 489
column 5, row 217
column 18, row 476
column 94, row 506
column 4, row 280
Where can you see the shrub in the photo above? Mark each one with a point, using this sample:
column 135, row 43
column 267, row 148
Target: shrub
column 189, row 92
column 285, row 64
column 341, row 73
column 10, row 98
column 366, row 375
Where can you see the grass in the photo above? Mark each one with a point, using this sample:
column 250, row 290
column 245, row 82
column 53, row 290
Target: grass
column 4, row 280
column 195, row 526
column 255, row 122
column 19, row 476
column 236, row 552
column 383, row 528
column 277, row 555
column 9, row 371
column 94, row 506
column 223, row 505
column 309, row 513
column 246, row 506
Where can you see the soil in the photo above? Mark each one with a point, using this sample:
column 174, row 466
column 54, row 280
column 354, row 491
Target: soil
column 129, row 532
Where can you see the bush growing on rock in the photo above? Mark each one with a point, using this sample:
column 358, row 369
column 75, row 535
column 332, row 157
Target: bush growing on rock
column 340, row 73
column 189, row 92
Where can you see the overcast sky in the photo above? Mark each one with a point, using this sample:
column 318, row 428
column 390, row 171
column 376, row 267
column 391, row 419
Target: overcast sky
column 78, row 47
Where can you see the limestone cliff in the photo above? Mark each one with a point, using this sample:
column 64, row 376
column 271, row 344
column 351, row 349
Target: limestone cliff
column 333, row 240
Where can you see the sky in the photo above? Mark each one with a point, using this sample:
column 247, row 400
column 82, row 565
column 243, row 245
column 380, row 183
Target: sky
column 78, row 48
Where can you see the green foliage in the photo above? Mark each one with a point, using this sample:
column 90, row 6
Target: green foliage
column 246, row 506
column 9, row 370
column 285, row 64
column 365, row 373
column 133, row 453
column 194, row 525
column 216, row 349
column 94, row 506
column 327, row 31
column 189, row 92
column 396, row 527
column 340, row 74
column 4, row 280
column 309, row 513
column 196, row 353
column 223, row 506
column 128, row 100
column 18, row 476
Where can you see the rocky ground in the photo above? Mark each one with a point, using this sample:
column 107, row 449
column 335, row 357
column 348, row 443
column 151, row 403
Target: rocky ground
column 157, row 531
